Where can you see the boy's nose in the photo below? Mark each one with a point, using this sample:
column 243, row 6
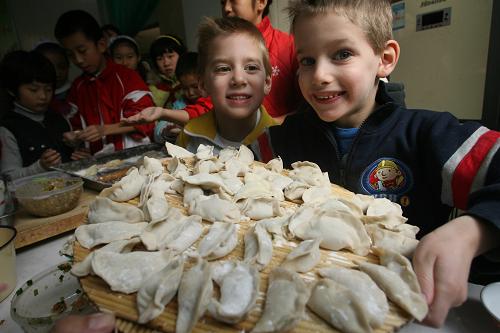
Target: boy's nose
column 238, row 78
column 322, row 74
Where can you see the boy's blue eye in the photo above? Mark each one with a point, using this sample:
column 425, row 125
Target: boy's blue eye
column 342, row 55
column 306, row 61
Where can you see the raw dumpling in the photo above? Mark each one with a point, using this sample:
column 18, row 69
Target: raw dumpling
column 156, row 207
column 177, row 169
column 127, row 188
column 383, row 206
column 151, row 167
column 295, row 190
column 309, row 173
column 84, row 267
column 185, row 234
column 260, row 208
column 221, row 239
column 105, row 210
column 338, row 305
column 304, row 257
column 204, row 152
column 191, row 192
column 362, row 286
column 207, row 181
column 397, row 279
column 212, row 209
column 285, row 305
column 176, row 151
column 258, row 246
column 90, row 235
column 239, row 288
column 395, row 241
column 158, row 290
column 127, row 272
column 275, row 165
column 195, row 292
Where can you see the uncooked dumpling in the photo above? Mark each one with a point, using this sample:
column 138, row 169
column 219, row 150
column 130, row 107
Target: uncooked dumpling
column 204, row 152
column 103, row 209
column 221, row 239
column 382, row 206
column 304, row 257
column 156, row 207
column 338, row 305
column 151, row 167
column 258, row 246
column 286, row 299
column 260, row 208
column 127, row 272
column 396, row 278
column 212, row 209
column 90, row 235
column 391, row 240
column 239, row 288
column 362, row 286
column 184, row 234
column 155, row 235
column 275, row 165
column 295, row 190
column 84, row 267
column 177, row 168
column 195, row 292
column 177, row 151
column 309, row 173
column 158, row 290
column 127, row 188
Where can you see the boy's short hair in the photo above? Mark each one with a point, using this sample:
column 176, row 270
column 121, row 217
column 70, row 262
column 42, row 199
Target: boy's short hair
column 110, row 27
column 75, row 21
column 374, row 17
column 211, row 28
column 187, row 64
column 22, row 67
column 166, row 44
column 51, row 47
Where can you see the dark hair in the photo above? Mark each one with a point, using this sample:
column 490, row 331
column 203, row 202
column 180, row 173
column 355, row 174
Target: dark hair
column 75, row 21
column 266, row 10
column 166, row 44
column 51, row 47
column 123, row 40
column 187, row 64
column 110, row 27
column 22, row 67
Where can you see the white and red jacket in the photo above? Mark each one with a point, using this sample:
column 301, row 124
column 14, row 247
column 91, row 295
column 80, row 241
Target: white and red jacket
column 115, row 93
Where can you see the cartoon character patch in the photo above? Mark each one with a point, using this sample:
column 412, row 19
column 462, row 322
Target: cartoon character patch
column 387, row 177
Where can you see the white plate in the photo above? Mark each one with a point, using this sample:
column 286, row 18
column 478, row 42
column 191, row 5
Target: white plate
column 490, row 296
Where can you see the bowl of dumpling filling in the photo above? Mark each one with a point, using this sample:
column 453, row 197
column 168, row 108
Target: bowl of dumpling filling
column 48, row 194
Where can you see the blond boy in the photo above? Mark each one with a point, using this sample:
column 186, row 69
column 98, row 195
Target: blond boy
column 344, row 48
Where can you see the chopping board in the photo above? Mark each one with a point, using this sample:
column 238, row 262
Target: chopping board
column 124, row 306
column 32, row 229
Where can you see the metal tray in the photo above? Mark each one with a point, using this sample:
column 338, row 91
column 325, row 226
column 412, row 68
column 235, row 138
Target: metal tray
column 127, row 155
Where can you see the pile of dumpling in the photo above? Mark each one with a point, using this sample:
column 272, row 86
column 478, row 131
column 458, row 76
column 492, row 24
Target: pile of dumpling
column 226, row 190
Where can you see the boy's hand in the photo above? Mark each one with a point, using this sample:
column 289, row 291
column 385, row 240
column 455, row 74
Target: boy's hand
column 80, row 153
column 50, row 158
column 148, row 115
column 71, row 138
column 442, row 262
column 92, row 133
column 94, row 323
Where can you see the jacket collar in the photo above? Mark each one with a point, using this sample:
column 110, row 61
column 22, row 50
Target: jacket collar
column 264, row 26
column 205, row 126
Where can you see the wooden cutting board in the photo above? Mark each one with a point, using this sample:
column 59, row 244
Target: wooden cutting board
column 124, row 306
column 31, row 229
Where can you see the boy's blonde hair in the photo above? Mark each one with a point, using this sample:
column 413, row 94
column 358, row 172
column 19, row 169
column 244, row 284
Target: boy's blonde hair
column 211, row 28
column 374, row 17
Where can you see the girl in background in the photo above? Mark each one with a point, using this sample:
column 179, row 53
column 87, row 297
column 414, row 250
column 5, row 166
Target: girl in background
column 124, row 50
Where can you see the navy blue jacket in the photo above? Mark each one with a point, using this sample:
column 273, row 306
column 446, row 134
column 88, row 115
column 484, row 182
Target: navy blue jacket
column 426, row 161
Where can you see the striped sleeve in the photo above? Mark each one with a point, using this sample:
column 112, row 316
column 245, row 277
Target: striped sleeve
column 466, row 170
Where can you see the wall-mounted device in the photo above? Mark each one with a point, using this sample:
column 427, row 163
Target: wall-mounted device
column 436, row 19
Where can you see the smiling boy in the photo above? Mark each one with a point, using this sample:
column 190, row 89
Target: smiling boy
column 235, row 72
column 351, row 126
column 105, row 92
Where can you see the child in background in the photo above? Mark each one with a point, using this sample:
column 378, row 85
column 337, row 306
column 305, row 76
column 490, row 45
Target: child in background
column 109, row 31
column 31, row 137
column 125, row 51
column 235, row 72
column 426, row 161
column 165, row 52
column 105, row 92
column 57, row 56
column 285, row 95
column 192, row 105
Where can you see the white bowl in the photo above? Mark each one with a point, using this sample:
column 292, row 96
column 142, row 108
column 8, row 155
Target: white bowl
column 47, row 297
column 490, row 296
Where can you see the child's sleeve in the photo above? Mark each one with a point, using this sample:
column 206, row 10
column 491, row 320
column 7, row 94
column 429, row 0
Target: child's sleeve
column 202, row 105
column 468, row 159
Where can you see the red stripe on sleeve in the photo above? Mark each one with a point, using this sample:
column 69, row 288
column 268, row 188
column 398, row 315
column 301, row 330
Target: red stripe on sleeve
column 467, row 169
column 265, row 148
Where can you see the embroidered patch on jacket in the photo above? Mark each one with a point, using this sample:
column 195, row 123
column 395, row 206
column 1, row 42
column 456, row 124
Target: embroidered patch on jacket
column 387, row 178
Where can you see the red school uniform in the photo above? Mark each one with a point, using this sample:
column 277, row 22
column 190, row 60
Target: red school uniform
column 285, row 94
column 115, row 93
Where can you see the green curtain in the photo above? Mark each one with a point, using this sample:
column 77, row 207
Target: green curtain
column 129, row 15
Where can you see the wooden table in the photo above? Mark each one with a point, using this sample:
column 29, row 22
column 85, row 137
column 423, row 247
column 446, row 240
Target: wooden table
column 31, row 229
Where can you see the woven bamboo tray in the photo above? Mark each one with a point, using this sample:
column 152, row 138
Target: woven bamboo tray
column 124, row 306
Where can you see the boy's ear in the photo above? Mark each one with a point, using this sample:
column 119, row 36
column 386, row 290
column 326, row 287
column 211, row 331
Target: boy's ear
column 101, row 45
column 267, row 84
column 388, row 58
